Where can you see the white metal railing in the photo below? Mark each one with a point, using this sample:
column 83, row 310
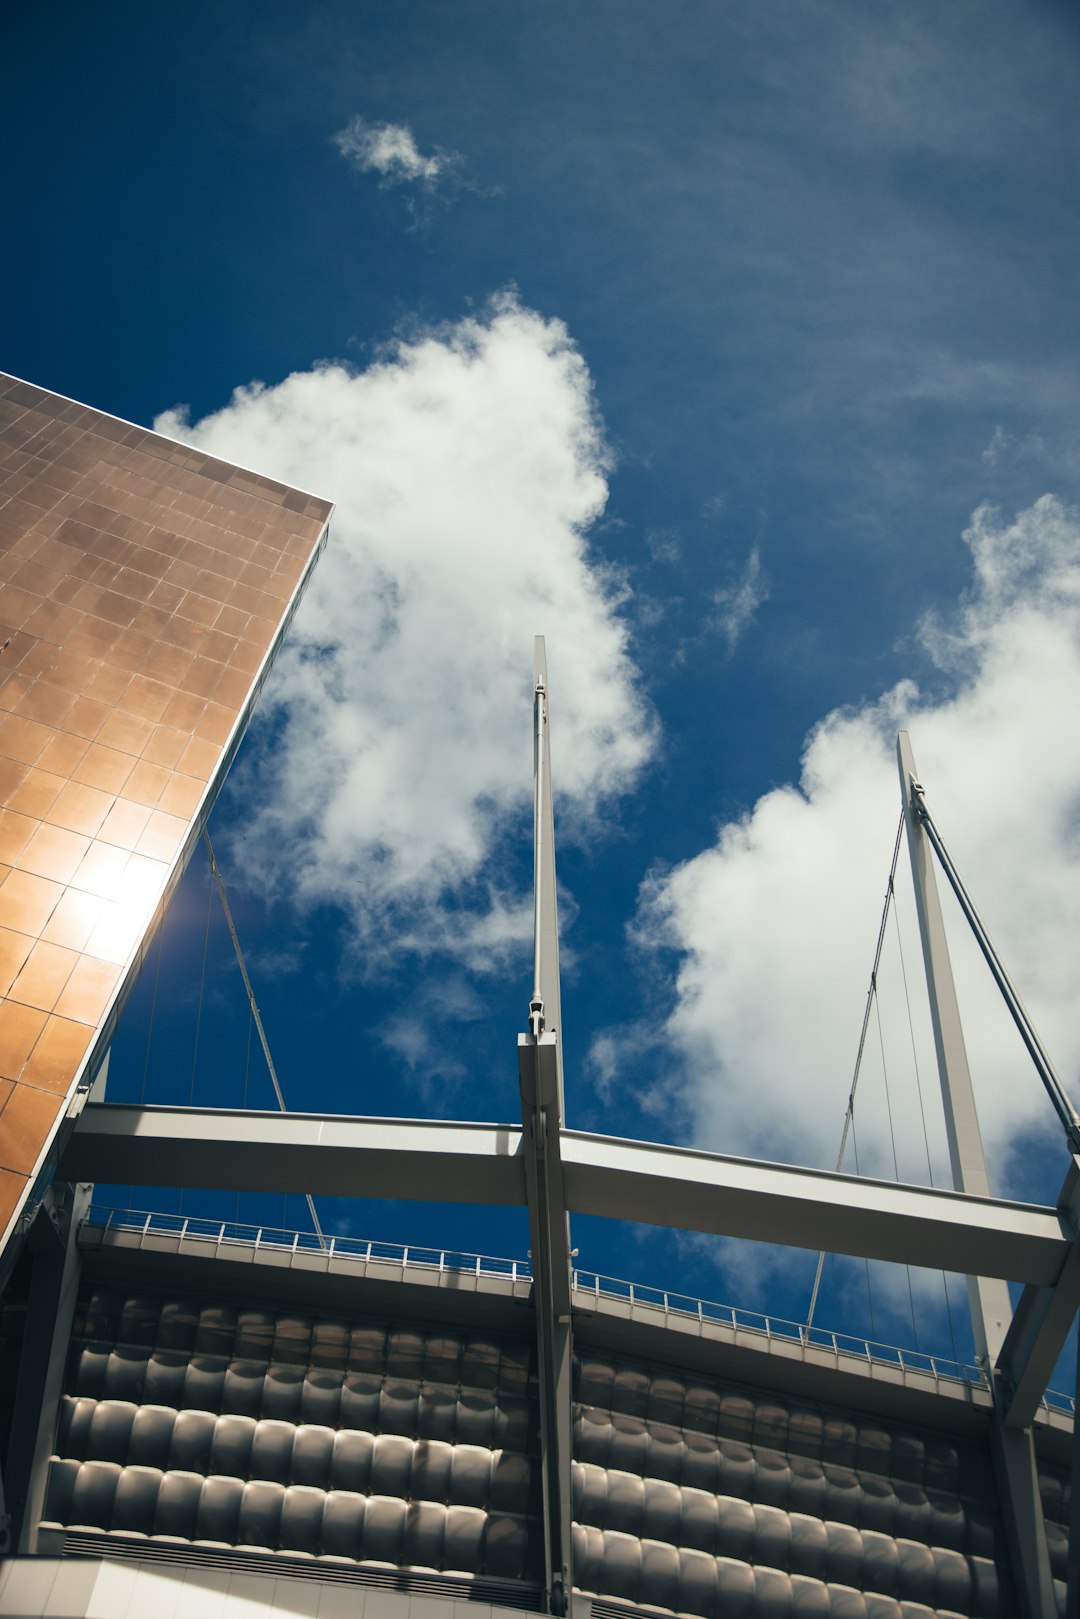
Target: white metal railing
column 773, row 1328
column 676, row 1307
column 230, row 1233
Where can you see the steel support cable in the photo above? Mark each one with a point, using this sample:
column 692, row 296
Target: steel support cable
column 202, row 989
column 247, row 1073
column 911, row 1036
column 866, row 1262
column 888, row 1097
column 922, row 1107
column 254, row 1010
column 849, row 1116
column 896, row 1161
column 1059, row 1098
column 153, row 1008
column 199, row 1008
column 150, row 1023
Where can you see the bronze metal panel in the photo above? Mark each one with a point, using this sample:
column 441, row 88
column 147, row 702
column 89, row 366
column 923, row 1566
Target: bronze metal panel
column 144, row 588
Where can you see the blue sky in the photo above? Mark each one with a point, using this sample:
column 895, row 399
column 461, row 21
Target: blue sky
column 693, row 337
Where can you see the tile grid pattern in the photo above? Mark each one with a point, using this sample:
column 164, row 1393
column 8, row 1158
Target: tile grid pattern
column 143, row 589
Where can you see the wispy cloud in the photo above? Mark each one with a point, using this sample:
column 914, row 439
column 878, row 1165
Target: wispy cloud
column 1005, row 448
column 737, row 604
column 391, row 152
column 664, row 544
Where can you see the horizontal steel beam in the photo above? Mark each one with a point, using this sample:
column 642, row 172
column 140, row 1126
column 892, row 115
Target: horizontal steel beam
column 428, row 1161
column 807, row 1208
column 334, row 1156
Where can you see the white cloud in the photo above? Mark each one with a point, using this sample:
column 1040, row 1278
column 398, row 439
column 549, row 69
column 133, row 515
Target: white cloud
column 396, row 731
column 774, row 926
column 390, row 150
column 737, row 604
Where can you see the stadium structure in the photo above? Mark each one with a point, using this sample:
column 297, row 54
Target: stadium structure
column 205, row 1419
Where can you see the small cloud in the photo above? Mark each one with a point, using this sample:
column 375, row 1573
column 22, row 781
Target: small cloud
column 417, row 1034
column 713, row 508
column 1005, row 448
column 663, row 544
column 738, row 603
column 283, row 962
column 603, row 1065
column 651, row 610
column 997, row 446
column 390, row 151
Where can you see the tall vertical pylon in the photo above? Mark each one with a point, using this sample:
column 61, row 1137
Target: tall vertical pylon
column 1012, row 1448
column 540, row 1073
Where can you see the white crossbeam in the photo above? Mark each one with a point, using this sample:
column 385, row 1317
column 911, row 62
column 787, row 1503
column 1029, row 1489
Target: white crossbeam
column 414, row 1159
column 426, row 1160
column 808, row 1208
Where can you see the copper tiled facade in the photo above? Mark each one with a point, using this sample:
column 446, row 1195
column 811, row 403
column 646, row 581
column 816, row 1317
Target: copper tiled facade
column 144, row 587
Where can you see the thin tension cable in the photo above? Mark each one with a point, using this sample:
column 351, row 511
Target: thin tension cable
column 199, row 1008
column 922, row 1109
column 255, row 1010
column 849, row 1116
column 1063, row 1107
column 892, row 1138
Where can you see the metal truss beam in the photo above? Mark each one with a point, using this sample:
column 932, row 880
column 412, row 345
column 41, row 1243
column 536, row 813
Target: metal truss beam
column 806, row 1208
column 1036, row 1337
column 1040, row 1325
column 426, row 1161
column 413, row 1159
